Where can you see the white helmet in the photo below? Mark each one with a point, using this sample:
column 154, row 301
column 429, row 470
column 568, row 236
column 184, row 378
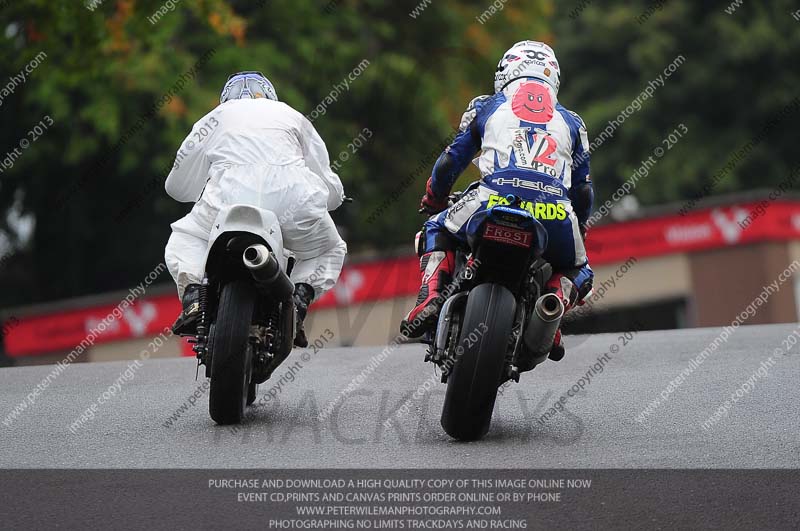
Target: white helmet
column 249, row 84
column 528, row 59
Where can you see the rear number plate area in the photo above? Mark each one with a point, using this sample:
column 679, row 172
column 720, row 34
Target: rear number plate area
column 507, row 235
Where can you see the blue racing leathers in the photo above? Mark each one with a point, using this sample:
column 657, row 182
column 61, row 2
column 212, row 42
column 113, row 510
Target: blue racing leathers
column 530, row 146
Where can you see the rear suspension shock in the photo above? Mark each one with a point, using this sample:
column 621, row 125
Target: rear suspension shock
column 202, row 325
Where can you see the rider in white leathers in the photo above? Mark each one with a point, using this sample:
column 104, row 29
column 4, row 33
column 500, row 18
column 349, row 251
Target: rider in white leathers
column 253, row 149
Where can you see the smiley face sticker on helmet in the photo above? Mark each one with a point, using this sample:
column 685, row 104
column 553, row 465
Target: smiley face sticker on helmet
column 532, row 103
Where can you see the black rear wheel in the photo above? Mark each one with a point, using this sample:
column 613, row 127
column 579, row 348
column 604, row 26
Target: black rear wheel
column 230, row 353
column 472, row 384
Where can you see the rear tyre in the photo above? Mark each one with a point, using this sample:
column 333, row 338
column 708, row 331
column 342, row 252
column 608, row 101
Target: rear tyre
column 230, row 354
column 472, row 384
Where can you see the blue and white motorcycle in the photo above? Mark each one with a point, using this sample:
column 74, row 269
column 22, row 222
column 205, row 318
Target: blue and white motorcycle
column 498, row 322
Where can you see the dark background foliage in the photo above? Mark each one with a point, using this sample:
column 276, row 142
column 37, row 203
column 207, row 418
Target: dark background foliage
column 85, row 206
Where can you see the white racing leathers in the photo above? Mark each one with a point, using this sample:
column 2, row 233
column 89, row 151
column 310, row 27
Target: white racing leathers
column 263, row 153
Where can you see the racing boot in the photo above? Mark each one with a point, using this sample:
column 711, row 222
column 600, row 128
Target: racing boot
column 303, row 295
column 437, row 271
column 186, row 323
column 557, row 350
column 565, row 289
column 562, row 285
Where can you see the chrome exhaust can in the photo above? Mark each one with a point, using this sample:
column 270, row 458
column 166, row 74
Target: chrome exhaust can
column 543, row 323
column 267, row 273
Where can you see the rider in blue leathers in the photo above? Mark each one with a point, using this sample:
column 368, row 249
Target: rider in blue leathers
column 527, row 145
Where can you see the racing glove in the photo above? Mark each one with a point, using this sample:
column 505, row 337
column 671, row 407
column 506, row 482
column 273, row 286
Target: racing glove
column 431, row 204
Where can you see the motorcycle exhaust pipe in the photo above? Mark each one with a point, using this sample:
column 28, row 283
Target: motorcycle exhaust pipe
column 267, row 273
column 543, row 323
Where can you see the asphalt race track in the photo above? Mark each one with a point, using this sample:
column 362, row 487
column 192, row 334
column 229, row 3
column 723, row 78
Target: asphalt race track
column 597, row 429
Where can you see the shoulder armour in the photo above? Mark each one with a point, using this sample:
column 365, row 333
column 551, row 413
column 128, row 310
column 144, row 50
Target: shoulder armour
column 471, row 112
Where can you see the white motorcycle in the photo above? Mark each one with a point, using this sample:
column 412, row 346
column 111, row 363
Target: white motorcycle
column 247, row 323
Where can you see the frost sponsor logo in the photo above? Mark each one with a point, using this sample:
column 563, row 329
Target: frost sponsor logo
column 507, row 236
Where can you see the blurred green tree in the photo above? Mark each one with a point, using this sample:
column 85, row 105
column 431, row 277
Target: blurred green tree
column 92, row 184
column 737, row 75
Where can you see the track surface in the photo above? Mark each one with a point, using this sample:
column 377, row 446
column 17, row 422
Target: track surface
column 598, row 430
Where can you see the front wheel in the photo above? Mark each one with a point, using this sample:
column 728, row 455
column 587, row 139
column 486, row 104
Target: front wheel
column 472, row 384
column 231, row 354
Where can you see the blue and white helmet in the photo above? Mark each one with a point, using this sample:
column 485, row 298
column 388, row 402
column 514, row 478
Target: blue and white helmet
column 528, row 59
column 247, row 85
